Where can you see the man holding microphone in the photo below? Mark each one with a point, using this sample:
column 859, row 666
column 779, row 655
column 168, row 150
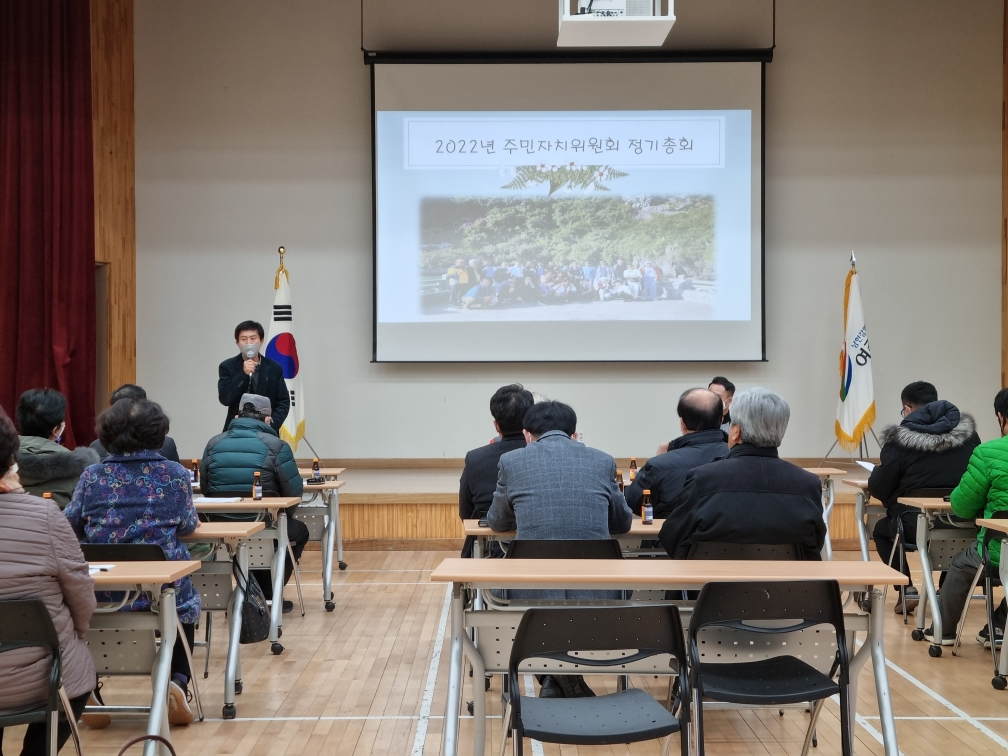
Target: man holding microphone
column 250, row 372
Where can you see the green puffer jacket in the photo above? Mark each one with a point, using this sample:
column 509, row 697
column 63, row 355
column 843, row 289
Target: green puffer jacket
column 231, row 460
column 983, row 489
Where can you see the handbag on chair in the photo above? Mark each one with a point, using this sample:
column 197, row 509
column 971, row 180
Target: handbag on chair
column 255, row 614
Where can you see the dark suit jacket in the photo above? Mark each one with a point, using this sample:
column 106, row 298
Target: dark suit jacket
column 665, row 475
column 557, row 489
column 479, row 481
column 233, row 382
column 168, row 451
column 750, row 496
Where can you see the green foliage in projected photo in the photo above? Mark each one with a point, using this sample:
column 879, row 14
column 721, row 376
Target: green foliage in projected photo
column 676, row 230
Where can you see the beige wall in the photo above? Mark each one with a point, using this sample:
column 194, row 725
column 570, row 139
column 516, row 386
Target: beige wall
column 253, row 130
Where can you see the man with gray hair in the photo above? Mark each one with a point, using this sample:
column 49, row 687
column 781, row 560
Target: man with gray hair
column 752, row 495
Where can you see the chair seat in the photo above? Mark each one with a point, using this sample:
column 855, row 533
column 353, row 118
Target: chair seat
column 775, row 681
column 625, row 717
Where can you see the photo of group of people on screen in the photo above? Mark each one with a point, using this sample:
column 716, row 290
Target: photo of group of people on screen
column 475, row 284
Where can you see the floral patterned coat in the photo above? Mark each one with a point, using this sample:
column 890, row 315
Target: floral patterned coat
column 139, row 497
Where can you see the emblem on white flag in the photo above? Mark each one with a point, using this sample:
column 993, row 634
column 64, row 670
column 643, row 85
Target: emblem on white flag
column 856, row 408
column 282, row 347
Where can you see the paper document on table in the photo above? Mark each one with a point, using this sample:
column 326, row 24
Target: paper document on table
column 209, row 500
column 94, row 569
column 866, row 465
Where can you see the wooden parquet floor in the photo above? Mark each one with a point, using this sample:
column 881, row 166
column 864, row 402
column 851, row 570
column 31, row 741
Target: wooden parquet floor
column 356, row 682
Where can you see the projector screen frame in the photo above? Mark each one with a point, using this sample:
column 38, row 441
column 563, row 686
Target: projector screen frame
column 571, row 57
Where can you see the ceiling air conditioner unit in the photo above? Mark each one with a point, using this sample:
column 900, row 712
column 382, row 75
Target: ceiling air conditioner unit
column 614, row 23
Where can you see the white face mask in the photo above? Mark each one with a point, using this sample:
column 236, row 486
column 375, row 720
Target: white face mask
column 250, row 351
column 13, row 469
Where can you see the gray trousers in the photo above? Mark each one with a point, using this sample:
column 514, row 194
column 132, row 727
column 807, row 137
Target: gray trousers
column 955, row 590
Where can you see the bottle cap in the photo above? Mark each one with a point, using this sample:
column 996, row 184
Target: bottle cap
column 647, row 491
column 47, row 495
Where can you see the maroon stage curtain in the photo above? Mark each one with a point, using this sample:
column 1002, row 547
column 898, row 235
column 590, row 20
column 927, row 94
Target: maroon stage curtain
column 47, row 256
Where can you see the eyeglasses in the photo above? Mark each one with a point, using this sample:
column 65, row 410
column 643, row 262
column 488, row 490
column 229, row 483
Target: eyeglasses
column 905, row 411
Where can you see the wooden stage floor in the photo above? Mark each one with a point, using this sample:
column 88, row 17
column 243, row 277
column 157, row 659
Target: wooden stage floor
column 362, row 681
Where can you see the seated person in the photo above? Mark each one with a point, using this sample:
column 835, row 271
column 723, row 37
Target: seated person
column 137, row 496
column 580, row 502
column 929, row 449
column 482, row 295
column 508, row 406
column 230, row 462
column 43, row 465
column 41, row 559
column 702, row 441
column 130, row 391
column 725, row 389
column 752, row 495
column 982, row 491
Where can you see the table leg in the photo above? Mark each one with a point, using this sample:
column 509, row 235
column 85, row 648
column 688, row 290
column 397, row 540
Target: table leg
column 158, row 718
column 327, row 552
column 860, row 502
column 232, row 672
column 1003, row 572
column 875, row 641
column 453, row 704
column 828, row 498
column 338, row 531
column 478, row 547
column 479, row 695
column 923, row 534
column 279, row 562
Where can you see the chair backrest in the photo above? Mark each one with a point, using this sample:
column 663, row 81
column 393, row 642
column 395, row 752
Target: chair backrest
column 804, row 602
column 991, row 535
column 123, row 552
column 785, row 552
column 926, row 493
column 580, row 636
column 26, row 622
column 596, row 549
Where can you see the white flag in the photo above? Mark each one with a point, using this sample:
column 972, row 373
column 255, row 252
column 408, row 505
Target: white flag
column 281, row 346
column 856, row 410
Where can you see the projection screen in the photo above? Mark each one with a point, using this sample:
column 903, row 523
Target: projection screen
column 568, row 212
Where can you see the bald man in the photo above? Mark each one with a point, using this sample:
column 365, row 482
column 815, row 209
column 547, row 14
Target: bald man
column 700, row 411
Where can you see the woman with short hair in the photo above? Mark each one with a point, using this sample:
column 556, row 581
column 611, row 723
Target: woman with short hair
column 135, row 495
column 41, row 559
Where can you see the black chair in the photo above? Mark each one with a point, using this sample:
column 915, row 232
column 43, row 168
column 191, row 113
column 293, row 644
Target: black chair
column 532, row 549
column 775, row 680
column 992, row 578
column 141, row 552
column 901, row 545
column 785, row 552
column 123, row 552
column 27, row 624
column 562, row 637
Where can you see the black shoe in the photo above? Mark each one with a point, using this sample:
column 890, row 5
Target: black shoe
column 582, row 689
column 912, row 599
column 574, row 686
column 947, row 640
column 550, row 688
column 984, row 636
column 288, row 606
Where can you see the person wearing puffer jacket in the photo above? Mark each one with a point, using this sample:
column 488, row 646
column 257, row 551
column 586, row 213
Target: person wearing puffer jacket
column 231, row 460
column 41, row 559
column 44, row 465
column 929, row 449
column 982, row 491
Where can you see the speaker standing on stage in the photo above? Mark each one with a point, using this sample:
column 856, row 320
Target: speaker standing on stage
column 250, row 372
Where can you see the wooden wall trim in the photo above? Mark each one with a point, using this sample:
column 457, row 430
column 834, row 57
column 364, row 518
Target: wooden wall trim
column 113, row 125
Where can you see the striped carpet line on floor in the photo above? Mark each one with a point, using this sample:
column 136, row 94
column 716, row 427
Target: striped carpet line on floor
column 421, row 732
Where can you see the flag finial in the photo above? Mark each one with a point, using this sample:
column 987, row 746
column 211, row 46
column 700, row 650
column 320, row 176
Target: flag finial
column 281, row 269
column 853, row 260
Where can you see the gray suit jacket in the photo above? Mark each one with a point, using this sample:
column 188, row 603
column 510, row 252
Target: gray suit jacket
column 557, row 488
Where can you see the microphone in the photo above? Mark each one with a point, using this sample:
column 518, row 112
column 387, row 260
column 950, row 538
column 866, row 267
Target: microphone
column 250, row 353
